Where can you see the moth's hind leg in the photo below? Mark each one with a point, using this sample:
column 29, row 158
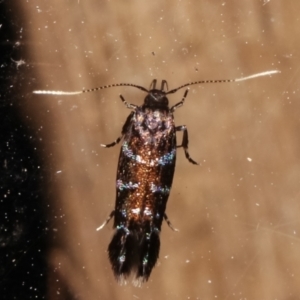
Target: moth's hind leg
column 185, row 142
column 169, row 223
column 117, row 141
column 106, row 221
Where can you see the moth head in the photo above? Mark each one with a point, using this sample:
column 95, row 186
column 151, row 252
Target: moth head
column 157, row 98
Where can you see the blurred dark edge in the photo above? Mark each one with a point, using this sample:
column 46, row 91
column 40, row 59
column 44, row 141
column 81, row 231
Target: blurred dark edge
column 23, row 223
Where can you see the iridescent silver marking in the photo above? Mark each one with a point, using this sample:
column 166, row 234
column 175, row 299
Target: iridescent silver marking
column 123, row 186
column 147, row 211
column 164, row 160
column 167, row 158
column 164, row 190
column 127, row 151
column 136, row 210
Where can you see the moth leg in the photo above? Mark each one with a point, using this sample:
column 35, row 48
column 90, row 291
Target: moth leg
column 185, row 142
column 177, row 105
column 128, row 105
column 117, row 141
column 106, row 221
column 169, row 223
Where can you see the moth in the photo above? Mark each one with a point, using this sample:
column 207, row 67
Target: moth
column 144, row 176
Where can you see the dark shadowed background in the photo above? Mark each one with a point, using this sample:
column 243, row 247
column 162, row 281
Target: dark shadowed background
column 237, row 212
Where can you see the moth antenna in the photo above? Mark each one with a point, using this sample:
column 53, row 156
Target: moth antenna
column 226, row 80
column 45, row 92
column 114, row 85
column 62, row 93
column 257, row 75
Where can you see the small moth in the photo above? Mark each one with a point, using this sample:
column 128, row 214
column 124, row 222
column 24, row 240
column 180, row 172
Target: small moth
column 144, row 176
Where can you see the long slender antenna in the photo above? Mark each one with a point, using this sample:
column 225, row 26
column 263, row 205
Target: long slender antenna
column 62, row 93
column 257, row 75
column 226, row 80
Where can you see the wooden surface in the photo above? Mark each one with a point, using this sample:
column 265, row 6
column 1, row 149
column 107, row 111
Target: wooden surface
column 238, row 212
